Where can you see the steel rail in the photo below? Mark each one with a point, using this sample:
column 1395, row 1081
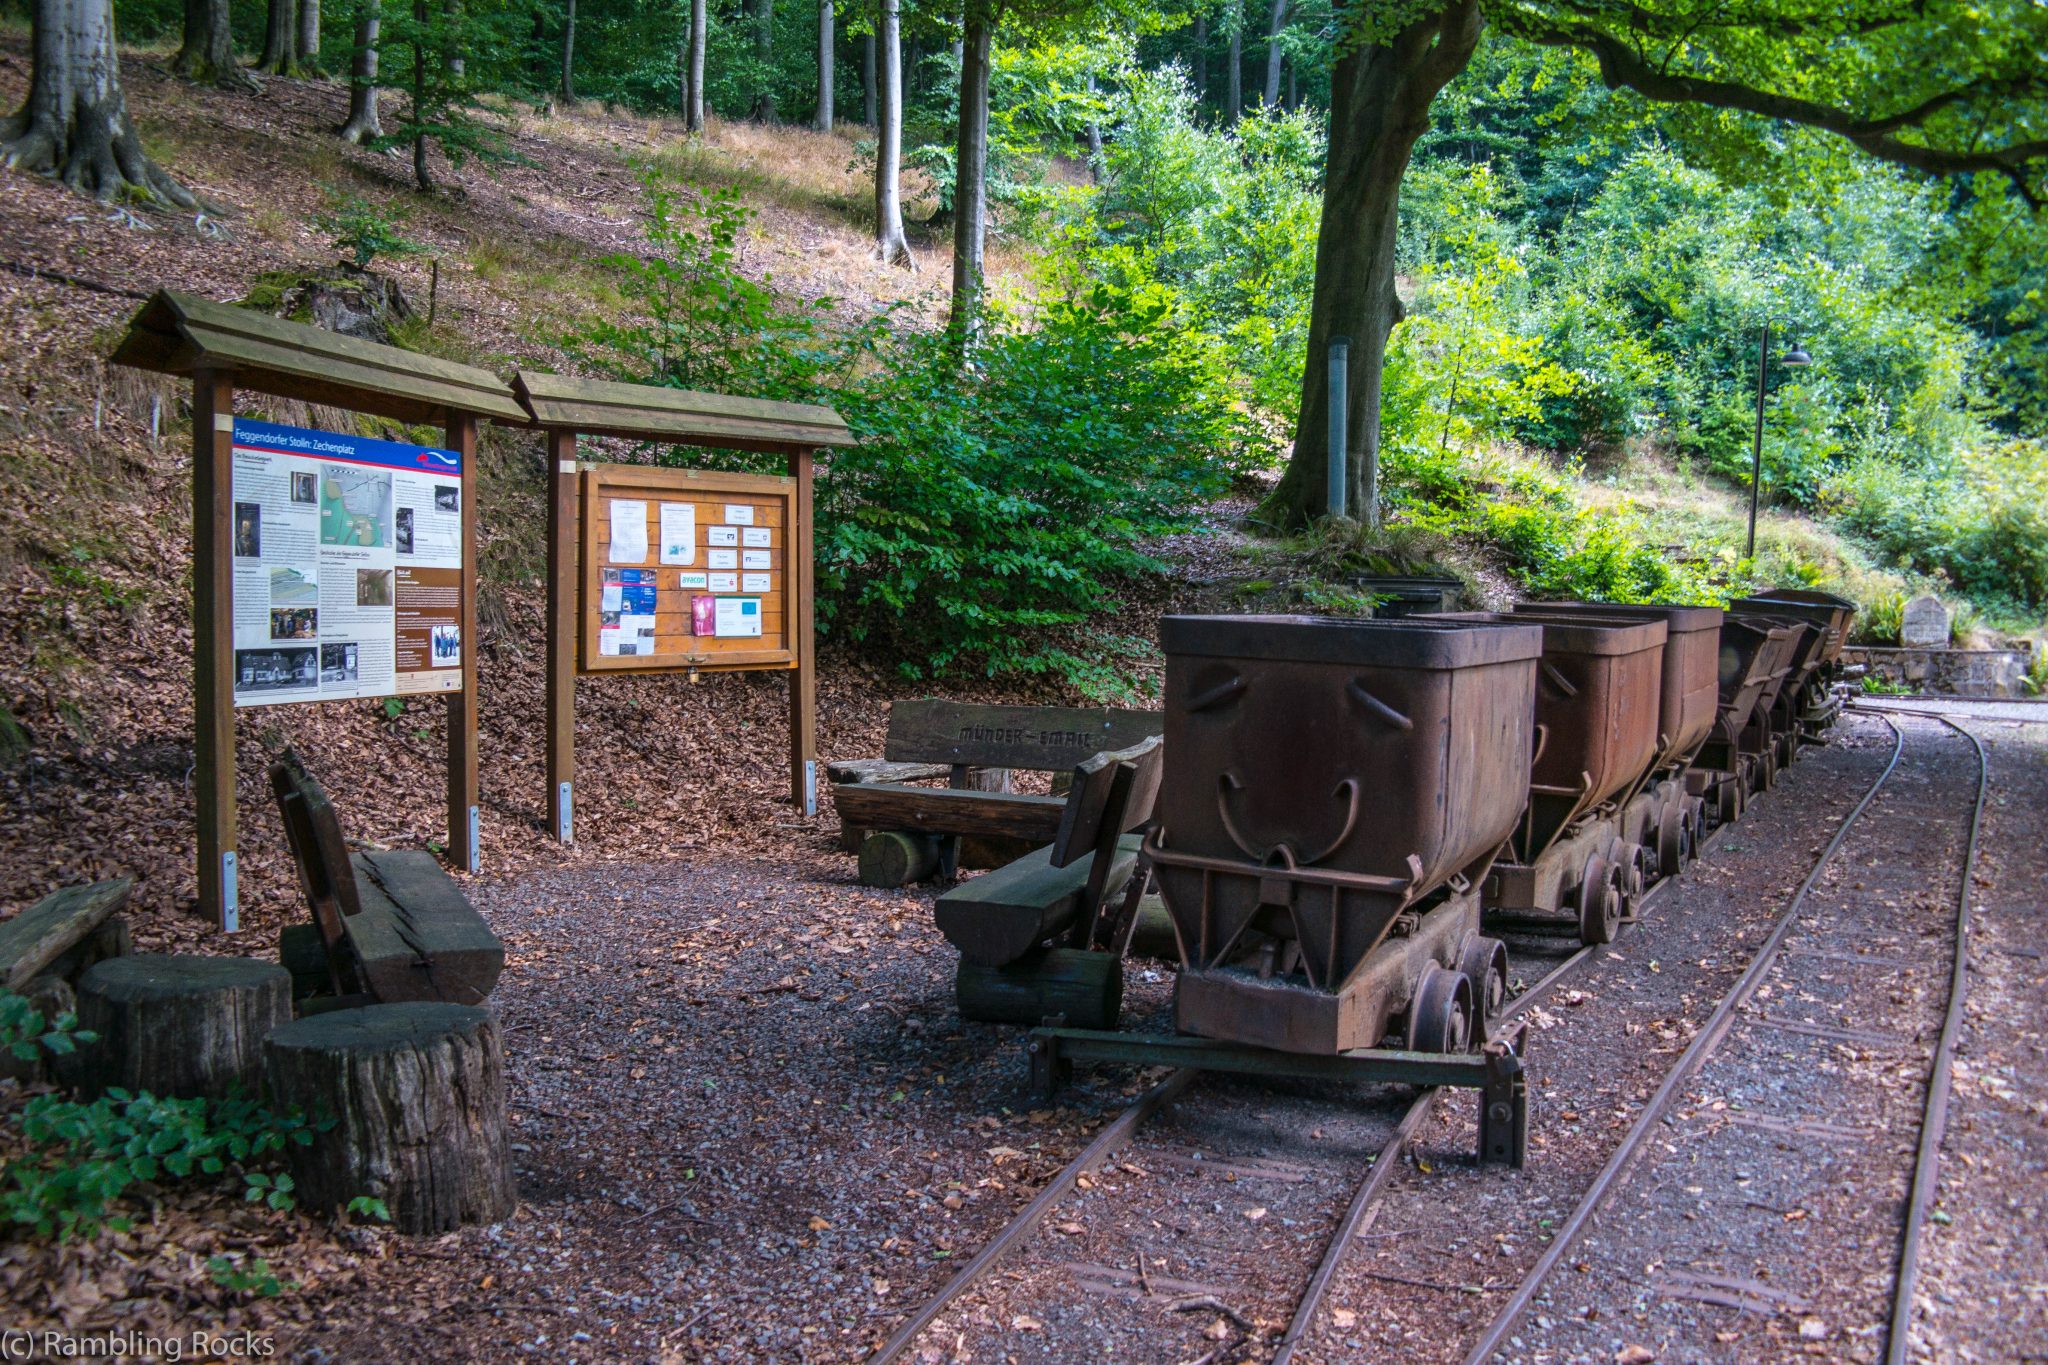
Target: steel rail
column 1704, row 1042
column 1384, row 1164
column 1934, row 1120
column 1034, row 1213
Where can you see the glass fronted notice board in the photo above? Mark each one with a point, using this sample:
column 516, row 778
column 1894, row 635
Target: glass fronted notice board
column 687, row 569
column 347, row 566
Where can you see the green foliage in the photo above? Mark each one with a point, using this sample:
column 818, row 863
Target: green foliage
column 27, row 1036
column 366, row 1206
column 1879, row 620
column 447, row 57
column 256, row 1277
column 364, row 228
column 1978, row 518
column 84, row 1156
column 988, row 512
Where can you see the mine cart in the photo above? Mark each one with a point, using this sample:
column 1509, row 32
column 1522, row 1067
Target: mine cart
column 1333, row 792
column 1662, row 818
column 1754, row 657
column 1813, row 707
column 1597, row 705
column 1772, row 732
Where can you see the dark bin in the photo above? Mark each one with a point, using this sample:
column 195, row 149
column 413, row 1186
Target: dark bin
column 1596, row 718
column 1689, row 695
column 1823, row 609
column 1752, row 653
column 1323, row 775
column 1403, row 596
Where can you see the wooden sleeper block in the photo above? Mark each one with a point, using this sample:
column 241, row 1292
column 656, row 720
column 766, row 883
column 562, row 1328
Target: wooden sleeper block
column 1002, row 916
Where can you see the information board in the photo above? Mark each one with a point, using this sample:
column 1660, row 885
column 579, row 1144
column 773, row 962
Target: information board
column 347, row 555
column 687, row 569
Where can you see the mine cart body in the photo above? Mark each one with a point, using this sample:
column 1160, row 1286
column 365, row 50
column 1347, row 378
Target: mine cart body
column 1823, row 609
column 1754, row 658
column 1322, row 778
column 1690, row 693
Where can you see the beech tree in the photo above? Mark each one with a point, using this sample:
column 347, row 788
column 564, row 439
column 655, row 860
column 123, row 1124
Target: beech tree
column 826, row 57
column 283, row 32
column 208, row 51
column 764, row 58
column 74, row 124
column 891, row 246
column 1276, row 23
column 363, row 124
column 569, row 52
column 693, row 89
column 1943, row 87
column 970, row 181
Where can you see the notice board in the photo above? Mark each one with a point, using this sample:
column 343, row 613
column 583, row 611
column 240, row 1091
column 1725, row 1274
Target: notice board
column 689, row 569
column 347, row 566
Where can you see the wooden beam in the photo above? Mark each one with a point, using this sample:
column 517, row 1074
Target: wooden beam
column 39, row 935
column 561, row 665
column 803, row 683
column 213, row 641
column 463, row 842
column 942, row 810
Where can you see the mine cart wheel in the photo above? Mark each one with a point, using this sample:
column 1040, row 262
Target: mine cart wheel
column 1600, row 899
column 1695, row 819
column 1440, row 1015
column 1631, row 865
column 1767, row 767
column 1485, row 966
column 1671, row 840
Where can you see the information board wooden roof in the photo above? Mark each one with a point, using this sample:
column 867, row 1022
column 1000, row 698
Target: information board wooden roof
column 599, row 407
column 178, row 333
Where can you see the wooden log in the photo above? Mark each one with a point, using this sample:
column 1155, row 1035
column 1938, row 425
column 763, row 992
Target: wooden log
column 302, row 952
column 418, row 1094
column 1003, row 916
column 1085, row 987
column 882, row 770
column 945, row 810
column 36, row 937
column 111, row 939
column 417, row 938
column 176, row 1025
column 889, row 858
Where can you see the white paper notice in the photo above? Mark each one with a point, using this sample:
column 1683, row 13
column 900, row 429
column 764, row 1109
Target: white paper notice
column 724, row 559
column 739, row 514
column 723, row 535
column 737, row 616
column 636, row 635
column 725, row 582
column 629, row 531
column 678, row 533
column 753, row 582
column 755, row 559
column 755, row 536
column 611, row 597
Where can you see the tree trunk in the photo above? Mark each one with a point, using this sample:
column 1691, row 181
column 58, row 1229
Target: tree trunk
column 418, row 1095
column 569, row 52
column 280, row 39
column 1093, row 132
column 419, row 92
column 1198, row 60
column 827, row 57
column 1379, row 106
column 363, row 124
column 74, row 124
column 867, row 80
column 451, row 42
column 970, row 184
column 764, row 57
column 208, row 53
column 1276, row 24
column 693, row 118
column 1293, row 100
column 309, row 30
column 177, row 1025
column 1234, row 105
column 891, row 248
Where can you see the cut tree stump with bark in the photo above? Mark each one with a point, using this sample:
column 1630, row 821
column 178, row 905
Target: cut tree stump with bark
column 1084, row 988
column 177, row 1025
column 418, row 1094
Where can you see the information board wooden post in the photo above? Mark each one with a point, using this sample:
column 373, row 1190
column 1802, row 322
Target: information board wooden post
column 465, row 842
column 563, row 570
column 213, row 641
column 803, row 683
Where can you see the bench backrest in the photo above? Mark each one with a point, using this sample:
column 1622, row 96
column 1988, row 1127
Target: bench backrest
column 1113, row 794
column 1036, row 738
column 313, row 831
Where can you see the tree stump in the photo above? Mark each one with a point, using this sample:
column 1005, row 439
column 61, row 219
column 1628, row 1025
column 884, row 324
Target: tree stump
column 418, row 1094
column 176, row 1025
column 889, row 858
column 1086, row 987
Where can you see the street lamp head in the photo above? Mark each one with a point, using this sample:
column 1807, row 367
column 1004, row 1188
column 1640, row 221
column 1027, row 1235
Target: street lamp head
column 1795, row 357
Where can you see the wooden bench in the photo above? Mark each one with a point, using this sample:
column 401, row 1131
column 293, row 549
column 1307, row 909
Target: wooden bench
column 1046, row 934
column 906, row 833
column 388, row 926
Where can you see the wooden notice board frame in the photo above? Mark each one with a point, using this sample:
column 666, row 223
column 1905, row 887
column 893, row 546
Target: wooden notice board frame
column 569, row 408
column 772, row 503
column 223, row 348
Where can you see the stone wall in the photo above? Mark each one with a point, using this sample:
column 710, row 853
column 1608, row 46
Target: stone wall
column 1955, row 672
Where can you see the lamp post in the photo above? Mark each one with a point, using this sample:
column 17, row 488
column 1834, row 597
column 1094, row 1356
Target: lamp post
column 1793, row 358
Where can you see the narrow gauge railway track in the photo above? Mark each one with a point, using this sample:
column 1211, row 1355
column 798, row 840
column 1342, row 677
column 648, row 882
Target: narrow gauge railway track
column 1399, row 1122
column 1748, row 1288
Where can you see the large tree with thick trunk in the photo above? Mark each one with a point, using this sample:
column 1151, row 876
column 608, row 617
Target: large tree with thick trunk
column 363, row 124
column 1944, row 87
column 74, row 124
column 208, row 51
column 828, row 58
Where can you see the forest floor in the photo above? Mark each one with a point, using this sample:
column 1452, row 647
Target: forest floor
column 668, row 971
